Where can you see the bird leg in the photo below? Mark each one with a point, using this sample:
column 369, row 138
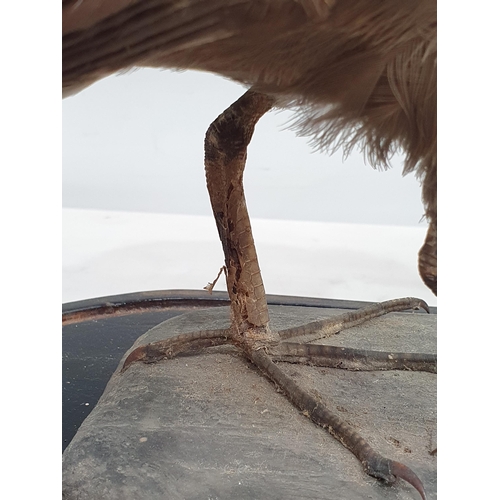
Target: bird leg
column 226, row 144
column 225, row 155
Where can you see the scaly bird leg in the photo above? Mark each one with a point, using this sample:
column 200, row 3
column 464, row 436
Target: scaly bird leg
column 225, row 156
column 226, row 144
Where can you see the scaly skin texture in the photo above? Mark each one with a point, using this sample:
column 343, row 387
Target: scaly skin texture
column 225, row 157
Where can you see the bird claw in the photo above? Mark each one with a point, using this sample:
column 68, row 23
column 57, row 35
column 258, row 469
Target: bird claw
column 389, row 470
column 404, row 472
column 149, row 353
column 421, row 304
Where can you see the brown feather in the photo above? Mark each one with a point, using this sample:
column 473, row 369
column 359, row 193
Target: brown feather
column 359, row 73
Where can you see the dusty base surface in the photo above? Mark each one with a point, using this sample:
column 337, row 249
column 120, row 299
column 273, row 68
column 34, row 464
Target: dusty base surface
column 211, row 427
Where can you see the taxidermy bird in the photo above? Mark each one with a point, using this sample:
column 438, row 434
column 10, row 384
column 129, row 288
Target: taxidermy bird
column 358, row 73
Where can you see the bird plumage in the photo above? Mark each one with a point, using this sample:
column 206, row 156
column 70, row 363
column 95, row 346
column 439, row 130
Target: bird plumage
column 358, row 73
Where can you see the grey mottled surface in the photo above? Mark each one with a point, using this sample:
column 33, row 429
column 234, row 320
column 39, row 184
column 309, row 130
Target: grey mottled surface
column 211, row 427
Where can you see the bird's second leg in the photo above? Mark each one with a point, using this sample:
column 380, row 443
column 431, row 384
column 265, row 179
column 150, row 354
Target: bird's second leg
column 225, row 157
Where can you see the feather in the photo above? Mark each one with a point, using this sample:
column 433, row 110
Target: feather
column 358, row 73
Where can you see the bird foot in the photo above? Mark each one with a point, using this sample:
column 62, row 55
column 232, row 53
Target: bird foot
column 264, row 354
